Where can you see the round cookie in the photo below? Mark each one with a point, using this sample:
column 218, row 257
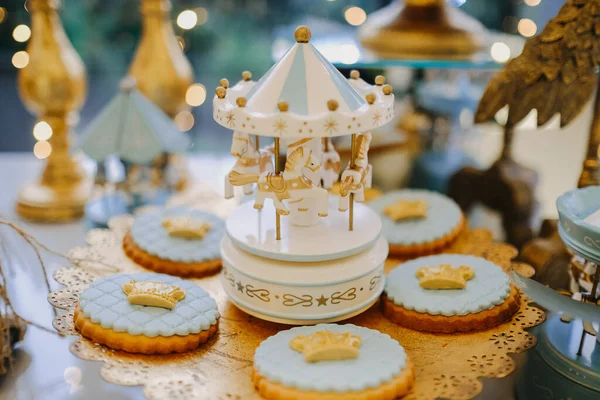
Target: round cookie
column 107, row 314
column 297, row 364
column 150, row 244
column 412, row 237
column 487, row 299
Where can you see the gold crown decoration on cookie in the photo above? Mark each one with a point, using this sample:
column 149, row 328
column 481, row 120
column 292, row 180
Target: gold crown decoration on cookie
column 444, row 276
column 186, row 227
column 406, row 209
column 153, row 294
column 327, row 346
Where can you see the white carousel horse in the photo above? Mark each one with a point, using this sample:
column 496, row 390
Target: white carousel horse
column 291, row 185
column 355, row 180
column 331, row 164
column 250, row 161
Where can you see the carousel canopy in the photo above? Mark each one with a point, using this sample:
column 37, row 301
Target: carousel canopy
column 303, row 95
column 133, row 128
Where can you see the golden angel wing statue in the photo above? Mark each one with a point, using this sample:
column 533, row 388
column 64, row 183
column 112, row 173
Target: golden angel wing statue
column 554, row 74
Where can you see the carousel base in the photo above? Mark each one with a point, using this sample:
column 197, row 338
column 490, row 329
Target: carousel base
column 301, row 293
column 555, row 371
column 330, row 239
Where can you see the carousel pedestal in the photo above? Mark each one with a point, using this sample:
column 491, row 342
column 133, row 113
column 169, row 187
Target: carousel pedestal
column 322, row 273
column 555, row 371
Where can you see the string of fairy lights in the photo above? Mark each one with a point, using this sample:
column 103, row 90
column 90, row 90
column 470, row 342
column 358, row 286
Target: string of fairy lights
column 196, row 94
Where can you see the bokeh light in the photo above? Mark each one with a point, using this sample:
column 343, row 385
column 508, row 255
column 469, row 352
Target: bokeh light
column 42, row 149
column 532, row 3
column 195, row 95
column 2, row 14
column 42, row 131
column 201, row 15
column 500, row 52
column 527, row 27
column 21, row 33
column 349, row 54
column 20, row 59
column 184, row 120
column 187, row 19
column 355, row 16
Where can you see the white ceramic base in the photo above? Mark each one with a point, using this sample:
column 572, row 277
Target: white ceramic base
column 289, row 321
column 330, row 239
column 303, row 292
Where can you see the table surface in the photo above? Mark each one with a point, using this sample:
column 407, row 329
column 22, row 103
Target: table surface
column 44, row 364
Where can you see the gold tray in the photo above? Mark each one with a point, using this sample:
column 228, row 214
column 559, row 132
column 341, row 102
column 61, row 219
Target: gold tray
column 447, row 366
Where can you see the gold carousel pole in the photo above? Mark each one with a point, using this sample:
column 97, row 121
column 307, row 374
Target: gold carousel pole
column 53, row 86
column 352, row 165
column 277, row 171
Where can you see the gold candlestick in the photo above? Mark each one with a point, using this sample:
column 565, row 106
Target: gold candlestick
column 422, row 28
column 162, row 71
column 53, row 86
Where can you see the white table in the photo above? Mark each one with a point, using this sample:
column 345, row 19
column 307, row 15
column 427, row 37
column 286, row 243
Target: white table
column 43, row 359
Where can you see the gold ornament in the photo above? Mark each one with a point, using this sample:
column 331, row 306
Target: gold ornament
column 302, row 34
column 153, row 294
column 444, row 276
column 162, row 71
column 53, row 86
column 186, row 227
column 327, row 346
column 405, row 209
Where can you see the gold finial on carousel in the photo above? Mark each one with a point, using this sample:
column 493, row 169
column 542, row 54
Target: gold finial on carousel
column 224, row 82
column 221, row 92
column 283, row 106
column 371, row 98
column 247, row 76
column 380, row 80
column 387, row 89
column 241, row 101
column 302, row 34
column 354, row 74
column 332, row 105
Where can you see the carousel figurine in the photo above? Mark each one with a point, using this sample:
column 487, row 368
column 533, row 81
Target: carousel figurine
column 302, row 102
column 331, row 164
column 140, row 135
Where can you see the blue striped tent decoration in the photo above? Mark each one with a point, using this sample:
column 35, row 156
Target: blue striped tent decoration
column 308, row 84
column 133, row 128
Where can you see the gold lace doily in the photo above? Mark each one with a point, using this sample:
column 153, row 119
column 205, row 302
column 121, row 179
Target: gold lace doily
column 447, row 366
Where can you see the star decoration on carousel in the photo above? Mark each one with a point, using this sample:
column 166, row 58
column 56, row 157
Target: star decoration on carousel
column 240, row 287
column 230, row 119
column 280, row 126
column 377, row 118
column 322, row 301
column 331, row 125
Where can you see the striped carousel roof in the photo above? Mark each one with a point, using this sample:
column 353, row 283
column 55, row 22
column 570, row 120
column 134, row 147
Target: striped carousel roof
column 306, row 81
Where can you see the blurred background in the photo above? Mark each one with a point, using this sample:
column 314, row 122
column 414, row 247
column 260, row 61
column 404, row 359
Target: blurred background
column 220, row 38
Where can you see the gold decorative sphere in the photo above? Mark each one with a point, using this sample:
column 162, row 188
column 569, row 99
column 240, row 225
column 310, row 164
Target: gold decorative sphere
column 302, row 34
column 371, row 98
column 283, row 106
column 387, row 89
column 354, row 74
column 247, row 75
column 241, row 101
column 220, row 92
column 332, row 105
column 224, row 82
column 379, row 80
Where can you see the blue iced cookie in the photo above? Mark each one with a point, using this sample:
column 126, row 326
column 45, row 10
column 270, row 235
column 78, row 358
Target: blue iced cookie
column 331, row 361
column 418, row 222
column 176, row 241
column 449, row 293
column 146, row 313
